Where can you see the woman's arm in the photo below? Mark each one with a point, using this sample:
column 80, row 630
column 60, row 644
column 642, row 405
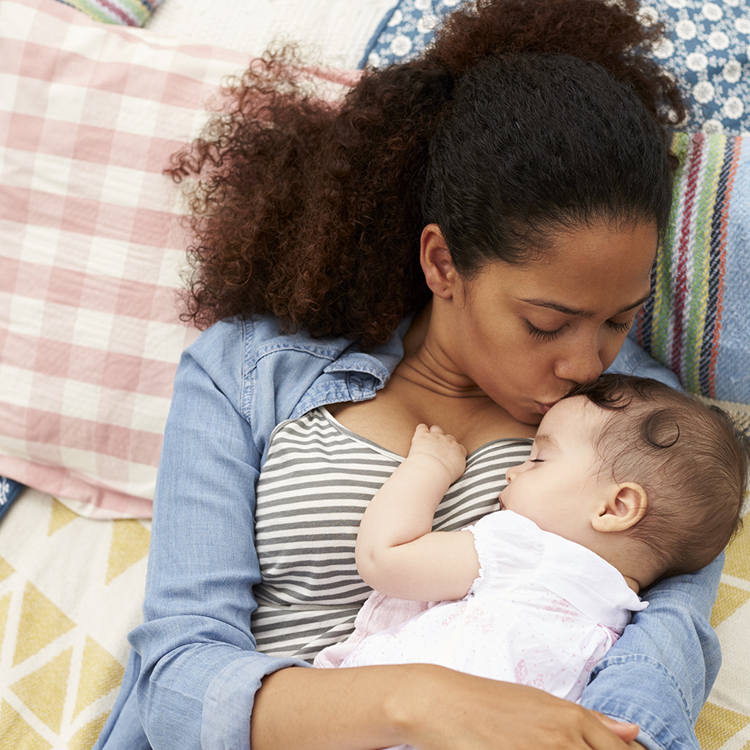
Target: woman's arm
column 426, row 706
column 659, row 674
column 397, row 552
column 200, row 669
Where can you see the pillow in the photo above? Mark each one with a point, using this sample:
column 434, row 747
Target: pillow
column 330, row 32
column 708, row 48
column 127, row 12
column 405, row 31
column 91, row 246
column 697, row 320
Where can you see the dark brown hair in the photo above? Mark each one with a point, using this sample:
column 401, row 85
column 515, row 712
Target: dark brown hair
column 688, row 456
column 522, row 117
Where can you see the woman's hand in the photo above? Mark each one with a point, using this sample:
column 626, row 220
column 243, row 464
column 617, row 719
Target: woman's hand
column 426, row 706
column 462, row 712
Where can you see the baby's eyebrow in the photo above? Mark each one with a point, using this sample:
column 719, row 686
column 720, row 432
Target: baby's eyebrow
column 544, row 439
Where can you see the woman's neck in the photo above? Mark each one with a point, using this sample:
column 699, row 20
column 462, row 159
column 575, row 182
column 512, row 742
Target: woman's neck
column 427, row 365
column 425, row 386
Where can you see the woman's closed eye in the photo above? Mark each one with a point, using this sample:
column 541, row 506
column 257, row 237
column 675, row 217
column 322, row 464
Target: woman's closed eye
column 542, row 335
column 620, row 327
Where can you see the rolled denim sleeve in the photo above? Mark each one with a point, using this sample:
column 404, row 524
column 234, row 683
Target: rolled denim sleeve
column 199, row 667
column 659, row 674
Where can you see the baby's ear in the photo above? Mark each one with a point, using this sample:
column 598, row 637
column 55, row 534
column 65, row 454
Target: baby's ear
column 624, row 506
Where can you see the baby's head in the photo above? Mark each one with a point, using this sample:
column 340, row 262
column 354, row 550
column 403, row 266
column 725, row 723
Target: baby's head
column 663, row 471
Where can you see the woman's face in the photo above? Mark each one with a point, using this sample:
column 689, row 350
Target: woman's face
column 525, row 335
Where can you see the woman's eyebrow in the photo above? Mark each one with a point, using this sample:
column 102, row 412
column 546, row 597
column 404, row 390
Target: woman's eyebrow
column 577, row 311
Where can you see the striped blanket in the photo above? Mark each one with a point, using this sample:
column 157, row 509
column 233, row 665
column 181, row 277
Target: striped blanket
column 126, row 12
column 696, row 321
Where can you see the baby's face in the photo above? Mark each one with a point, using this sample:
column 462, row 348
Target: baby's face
column 558, row 487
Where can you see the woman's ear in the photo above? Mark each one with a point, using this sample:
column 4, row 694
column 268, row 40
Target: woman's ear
column 623, row 508
column 437, row 265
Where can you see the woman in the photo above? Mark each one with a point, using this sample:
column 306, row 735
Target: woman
column 468, row 237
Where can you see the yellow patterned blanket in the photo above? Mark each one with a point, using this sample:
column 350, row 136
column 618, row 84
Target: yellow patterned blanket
column 71, row 588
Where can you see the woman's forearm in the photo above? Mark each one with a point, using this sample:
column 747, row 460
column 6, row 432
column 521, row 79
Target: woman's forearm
column 426, row 706
column 331, row 709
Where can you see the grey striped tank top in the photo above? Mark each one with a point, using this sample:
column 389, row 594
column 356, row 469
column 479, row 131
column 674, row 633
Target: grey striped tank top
column 312, row 492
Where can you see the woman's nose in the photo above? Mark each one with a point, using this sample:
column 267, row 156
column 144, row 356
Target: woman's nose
column 580, row 365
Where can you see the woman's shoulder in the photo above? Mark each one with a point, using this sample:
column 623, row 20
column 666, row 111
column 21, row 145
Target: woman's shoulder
column 255, row 338
column 262, row 368
column 241, row 343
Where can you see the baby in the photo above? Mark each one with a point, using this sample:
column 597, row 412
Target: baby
column 628, row 481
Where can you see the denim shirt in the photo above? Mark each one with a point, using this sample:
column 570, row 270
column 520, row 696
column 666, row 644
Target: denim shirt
column 193, row 671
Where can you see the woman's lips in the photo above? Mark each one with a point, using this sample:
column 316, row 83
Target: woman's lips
column 544, row 408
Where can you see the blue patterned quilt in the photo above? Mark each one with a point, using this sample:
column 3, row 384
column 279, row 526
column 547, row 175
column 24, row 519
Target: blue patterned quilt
column 708, row 49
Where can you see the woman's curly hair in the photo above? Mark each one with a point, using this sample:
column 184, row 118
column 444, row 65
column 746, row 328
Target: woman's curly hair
column 522, row 116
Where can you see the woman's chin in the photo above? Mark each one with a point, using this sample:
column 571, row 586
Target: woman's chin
column 530, row 418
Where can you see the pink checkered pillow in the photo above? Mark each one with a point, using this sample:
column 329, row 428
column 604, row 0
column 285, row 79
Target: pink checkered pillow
column 90, row 247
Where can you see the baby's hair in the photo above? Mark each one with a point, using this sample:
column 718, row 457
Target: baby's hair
column 688, row 456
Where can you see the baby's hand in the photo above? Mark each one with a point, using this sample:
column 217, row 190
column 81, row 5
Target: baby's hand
column 432, row 441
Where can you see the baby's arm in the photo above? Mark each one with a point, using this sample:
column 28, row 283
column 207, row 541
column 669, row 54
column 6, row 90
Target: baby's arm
column 397, row 552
